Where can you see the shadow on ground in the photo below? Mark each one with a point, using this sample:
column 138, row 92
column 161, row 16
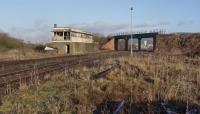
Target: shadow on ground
column 158, row 107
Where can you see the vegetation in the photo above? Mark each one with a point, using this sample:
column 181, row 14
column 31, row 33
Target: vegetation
column 146, row 78
column 39, row 48
column 143, row 80
column 15, row 49
column 7, row 42
column 188, row 44
column 101, row 39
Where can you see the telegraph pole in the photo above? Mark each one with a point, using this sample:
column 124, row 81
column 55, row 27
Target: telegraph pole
column 131, row 31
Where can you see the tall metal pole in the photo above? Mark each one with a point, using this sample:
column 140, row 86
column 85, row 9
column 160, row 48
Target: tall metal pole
column 131, row 31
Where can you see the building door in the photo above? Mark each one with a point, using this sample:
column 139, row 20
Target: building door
column 67, row 49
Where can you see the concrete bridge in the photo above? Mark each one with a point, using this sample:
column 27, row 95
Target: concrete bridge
column 126, row 38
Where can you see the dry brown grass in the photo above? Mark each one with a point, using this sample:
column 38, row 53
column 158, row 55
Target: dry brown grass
column 16, row 49
column 18, row 54
column 148, row 79
column 188, row 43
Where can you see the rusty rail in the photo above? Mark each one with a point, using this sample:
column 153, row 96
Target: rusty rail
column 31, row 61
column 58, row 65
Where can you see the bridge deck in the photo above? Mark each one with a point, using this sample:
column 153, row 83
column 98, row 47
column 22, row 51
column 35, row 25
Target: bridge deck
column 127, row 37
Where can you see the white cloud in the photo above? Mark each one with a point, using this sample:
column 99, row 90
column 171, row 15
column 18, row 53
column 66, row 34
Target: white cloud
column 101, row 27
column 1, row 30
column 109, row 28
column 39, row 32
column 182, row 23
column 149, row 25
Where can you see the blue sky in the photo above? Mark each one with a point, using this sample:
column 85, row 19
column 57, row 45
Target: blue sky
column 32, row 20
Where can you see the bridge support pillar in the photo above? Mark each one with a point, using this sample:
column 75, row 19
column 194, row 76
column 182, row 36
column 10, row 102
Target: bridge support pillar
column 116, row 44
column 126, row 44
column 154, row 43
column 139, row 44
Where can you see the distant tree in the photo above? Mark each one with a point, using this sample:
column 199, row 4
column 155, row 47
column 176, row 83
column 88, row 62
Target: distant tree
column 39, row 48
column 101, row 39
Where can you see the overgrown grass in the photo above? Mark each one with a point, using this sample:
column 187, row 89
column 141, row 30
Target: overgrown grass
column 147, row 79
column 15, row 49
column 188, row 44
column 6, row 42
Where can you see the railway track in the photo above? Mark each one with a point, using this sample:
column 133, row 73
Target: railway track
column 28, row 70
column 6, row 64
column 17, row 71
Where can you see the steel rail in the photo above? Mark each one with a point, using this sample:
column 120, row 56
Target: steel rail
column 16, row 76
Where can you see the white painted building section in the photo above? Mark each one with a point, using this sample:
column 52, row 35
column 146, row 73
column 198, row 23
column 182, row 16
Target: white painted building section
column 65, row 34
column 48, row 48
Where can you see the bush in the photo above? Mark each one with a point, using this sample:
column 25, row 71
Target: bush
column 182, row 43
column 7, row 42
column 39, row 48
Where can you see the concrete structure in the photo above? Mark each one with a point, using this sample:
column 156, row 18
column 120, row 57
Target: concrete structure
column 72, row 41
column 122, row 40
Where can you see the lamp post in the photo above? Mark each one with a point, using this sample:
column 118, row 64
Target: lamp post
column 131, row 31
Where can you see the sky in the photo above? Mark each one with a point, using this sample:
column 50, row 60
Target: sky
column 32, row 20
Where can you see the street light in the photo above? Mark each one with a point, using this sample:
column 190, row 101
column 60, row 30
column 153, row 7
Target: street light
column 131, row 31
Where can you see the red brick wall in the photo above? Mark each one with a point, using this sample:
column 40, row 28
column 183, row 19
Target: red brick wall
column 109, row 45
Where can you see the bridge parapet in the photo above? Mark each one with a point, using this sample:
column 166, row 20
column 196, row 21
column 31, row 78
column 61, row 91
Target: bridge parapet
column 156, row 31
